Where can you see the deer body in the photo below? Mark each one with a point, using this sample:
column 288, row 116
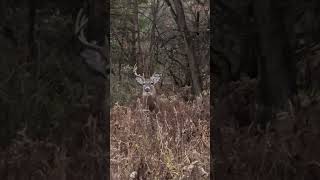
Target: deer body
column 149, row 94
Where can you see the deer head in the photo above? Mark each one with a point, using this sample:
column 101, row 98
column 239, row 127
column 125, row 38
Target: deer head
column 149, row 95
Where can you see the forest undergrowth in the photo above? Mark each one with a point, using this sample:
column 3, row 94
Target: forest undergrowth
column 171, row 144
column 76, row 157
column 287, row 149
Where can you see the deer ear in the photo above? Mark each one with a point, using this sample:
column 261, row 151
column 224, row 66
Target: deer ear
column 140, row 80
column 155, row 78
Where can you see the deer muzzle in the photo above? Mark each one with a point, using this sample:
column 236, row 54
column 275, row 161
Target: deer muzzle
column 147, row 89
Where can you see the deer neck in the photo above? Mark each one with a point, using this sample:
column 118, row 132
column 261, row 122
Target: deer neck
column 152, row 93
column 149, row 97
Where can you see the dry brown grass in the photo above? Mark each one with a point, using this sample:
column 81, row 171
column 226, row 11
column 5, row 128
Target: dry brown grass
column 33, row 159
column 172, row 144
column 288, row 149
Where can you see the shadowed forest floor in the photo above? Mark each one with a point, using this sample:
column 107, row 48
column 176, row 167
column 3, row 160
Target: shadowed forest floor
column 288, row 149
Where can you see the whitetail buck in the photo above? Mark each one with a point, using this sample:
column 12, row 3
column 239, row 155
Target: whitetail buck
column 149, row 94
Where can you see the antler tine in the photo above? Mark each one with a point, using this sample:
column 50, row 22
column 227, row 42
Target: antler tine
column 135, row 71
column 81, row 21
column 159, row 74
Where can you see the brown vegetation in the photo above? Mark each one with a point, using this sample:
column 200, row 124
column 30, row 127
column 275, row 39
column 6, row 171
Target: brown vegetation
column 27, row 158
column 288, row 149
column 172, row 144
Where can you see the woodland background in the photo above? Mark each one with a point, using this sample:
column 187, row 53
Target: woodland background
column 265, row 77
column 264, row 74
column 54, row 107
column 56, row 98
column 171, row 38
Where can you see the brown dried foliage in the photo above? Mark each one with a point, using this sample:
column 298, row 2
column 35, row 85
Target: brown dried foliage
column 288, row 149
column 170, row 144
column 27, row 158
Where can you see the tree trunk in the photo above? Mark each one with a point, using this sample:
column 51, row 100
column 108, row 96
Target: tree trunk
column 274, row 65
column 153, row 48
column 137, row 31
column 3, row 12
column 180, row 20
column 97, row 31
column 31, row 34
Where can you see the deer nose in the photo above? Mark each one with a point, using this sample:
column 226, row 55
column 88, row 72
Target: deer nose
column 147, row 89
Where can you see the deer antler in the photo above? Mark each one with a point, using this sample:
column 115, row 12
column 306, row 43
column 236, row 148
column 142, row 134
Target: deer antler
column 80, row 23
column 157, row 74
column 135, row 71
